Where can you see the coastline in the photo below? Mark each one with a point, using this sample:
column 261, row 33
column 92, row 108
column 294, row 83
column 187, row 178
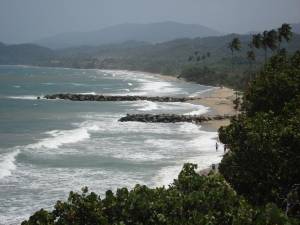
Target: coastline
column 218, row 99
column 220, row 102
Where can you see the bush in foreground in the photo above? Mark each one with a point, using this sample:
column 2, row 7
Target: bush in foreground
column 191, row 199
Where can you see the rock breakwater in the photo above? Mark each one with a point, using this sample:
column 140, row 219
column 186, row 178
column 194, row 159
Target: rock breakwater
column 170, row 118
column 88, row 97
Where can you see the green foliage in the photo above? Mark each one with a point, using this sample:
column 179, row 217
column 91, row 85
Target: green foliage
column 208, row 76
column 263, row 163
column 235, row 45
column 191, row 199
column 284, row 32
column 272, row 39
column 276, row 85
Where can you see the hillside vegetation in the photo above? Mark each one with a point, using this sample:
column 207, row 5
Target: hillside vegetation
column 171, row 58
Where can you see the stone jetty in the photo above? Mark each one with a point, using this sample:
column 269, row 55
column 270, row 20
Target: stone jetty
column 88, row 97
column 170, row 118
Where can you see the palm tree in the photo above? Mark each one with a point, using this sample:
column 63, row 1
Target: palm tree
column 269, row 39
column 284, row 32
column 257, row 41
column 234, row 45
column 264, row 45
column 272, row 39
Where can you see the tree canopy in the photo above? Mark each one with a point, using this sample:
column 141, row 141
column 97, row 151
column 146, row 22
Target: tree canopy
column 264, row 159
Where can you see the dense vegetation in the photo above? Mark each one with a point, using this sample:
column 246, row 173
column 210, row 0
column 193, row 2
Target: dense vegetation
column 24, row 54
column 255, row 52
column 263, row 164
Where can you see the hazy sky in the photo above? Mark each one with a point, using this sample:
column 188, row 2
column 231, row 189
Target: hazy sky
column 28, row 20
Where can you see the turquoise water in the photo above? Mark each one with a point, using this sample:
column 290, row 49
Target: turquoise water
column 49, row 147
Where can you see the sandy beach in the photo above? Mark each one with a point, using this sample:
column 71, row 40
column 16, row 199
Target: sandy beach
column 220, row 102
column 218, row 99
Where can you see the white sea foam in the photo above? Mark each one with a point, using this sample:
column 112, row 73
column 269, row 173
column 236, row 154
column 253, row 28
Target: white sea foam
column 16, row 86
column 24, row 97
column 7, row 163
column 149, row 84
column 140, row 156
column 199, row 93
column 147, row 106
column 171, row 107
column 88, row 93
column 61, row 137
column 206, row 156
column 158, row 87
column 200, row 109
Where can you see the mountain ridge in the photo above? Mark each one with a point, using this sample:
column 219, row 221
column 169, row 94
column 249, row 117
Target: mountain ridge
column 151, row 32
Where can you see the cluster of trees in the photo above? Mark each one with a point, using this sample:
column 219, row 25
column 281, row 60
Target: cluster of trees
column 263, row 164
column 197, row 57
column 191, row 199
column 268, row 40
column 208, row 76
column 271, row 39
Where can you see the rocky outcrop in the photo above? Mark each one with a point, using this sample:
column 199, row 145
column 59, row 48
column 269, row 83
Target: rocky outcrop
column 85, row 97
column 170, row 118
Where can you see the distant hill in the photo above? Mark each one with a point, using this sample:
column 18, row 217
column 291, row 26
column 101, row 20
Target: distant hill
column 152, row 33
column 167, row 57
column 24, row 54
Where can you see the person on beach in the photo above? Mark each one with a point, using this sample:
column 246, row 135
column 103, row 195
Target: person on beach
column 217, row 146
column 213, row 166
column 225, row 147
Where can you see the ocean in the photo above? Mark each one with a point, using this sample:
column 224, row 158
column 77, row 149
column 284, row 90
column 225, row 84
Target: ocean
column 50, row 147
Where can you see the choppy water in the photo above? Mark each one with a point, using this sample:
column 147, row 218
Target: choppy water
column 49, row 147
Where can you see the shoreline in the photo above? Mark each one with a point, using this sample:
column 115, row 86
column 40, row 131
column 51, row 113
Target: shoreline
column 220, row 102
column 218, row 99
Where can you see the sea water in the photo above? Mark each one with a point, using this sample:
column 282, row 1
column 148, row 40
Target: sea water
column 50, row 147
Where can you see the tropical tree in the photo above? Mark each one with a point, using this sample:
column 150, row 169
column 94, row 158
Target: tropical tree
column 234, row 45
column 257, row 41
column 267, row 40
column 272, row 40
column 196, row 56
column 284, row 33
